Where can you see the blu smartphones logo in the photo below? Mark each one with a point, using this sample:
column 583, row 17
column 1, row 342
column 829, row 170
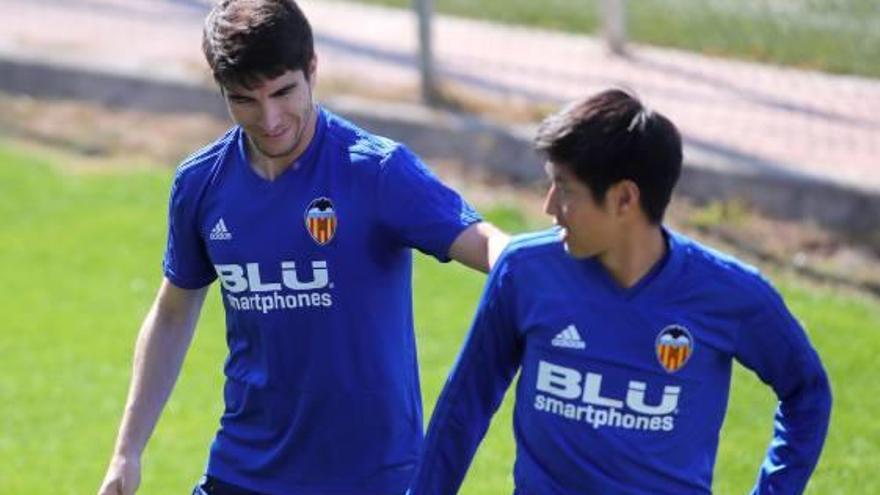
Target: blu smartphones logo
column 558, row 386
column 266, row 296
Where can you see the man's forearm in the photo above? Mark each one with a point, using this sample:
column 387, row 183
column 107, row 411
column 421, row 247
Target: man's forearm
column 479, row 246
column 801, row 425
column 161, row 346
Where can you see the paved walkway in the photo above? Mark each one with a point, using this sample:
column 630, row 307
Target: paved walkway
column 746, row 117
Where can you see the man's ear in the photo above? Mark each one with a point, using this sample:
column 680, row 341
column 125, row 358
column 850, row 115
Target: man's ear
column 625, row 197
column 312, row 72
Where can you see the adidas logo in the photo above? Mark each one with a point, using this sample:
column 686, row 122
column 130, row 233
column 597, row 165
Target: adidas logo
column 569, row 338
column 220, row 232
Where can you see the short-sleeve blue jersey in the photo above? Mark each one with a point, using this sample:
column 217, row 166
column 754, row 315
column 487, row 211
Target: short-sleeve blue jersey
column 322, row 389
column 623, row 391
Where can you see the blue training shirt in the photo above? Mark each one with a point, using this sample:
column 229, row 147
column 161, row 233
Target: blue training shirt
column 623, row 391
column 322, row 389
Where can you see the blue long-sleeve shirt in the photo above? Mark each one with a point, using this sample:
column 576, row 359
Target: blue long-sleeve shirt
column 623, row 391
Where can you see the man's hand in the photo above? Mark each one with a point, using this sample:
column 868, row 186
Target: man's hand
column 123, row 477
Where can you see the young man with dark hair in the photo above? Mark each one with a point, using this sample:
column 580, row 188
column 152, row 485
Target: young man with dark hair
column 308, row 222
column 624, row 333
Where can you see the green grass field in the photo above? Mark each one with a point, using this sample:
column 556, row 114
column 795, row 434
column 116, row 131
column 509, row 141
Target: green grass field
column 836, row 36
column 80, row 261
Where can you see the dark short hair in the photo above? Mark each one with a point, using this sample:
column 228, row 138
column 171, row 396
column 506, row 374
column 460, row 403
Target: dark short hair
column 246, row 41
column 612, row 137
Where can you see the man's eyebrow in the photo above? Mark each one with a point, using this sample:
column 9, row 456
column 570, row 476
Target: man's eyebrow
column 284, row 89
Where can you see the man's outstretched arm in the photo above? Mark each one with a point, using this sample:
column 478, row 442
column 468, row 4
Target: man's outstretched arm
column 487, row 363
column 478, row 246
column 162, row 342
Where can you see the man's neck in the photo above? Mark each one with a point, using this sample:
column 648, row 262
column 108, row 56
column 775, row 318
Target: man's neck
column 634, row 255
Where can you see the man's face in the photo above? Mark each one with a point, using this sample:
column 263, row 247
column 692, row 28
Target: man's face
column 587, row 226
column 276, row 113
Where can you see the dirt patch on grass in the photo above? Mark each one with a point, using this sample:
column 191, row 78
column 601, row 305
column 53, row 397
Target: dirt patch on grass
column 116, row 135
column 103, row 139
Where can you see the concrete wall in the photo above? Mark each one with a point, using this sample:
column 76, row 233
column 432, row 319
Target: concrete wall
column 468, row 139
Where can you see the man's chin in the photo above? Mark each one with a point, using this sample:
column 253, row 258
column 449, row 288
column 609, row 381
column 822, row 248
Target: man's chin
column 567, row 243
column 275, row 151
column 574, row 251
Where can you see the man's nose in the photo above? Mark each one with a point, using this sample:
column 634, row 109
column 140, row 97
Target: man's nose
column 270, row 117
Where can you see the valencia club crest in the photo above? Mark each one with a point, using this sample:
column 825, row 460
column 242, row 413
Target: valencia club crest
column 321, row 220
column 674, row 347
